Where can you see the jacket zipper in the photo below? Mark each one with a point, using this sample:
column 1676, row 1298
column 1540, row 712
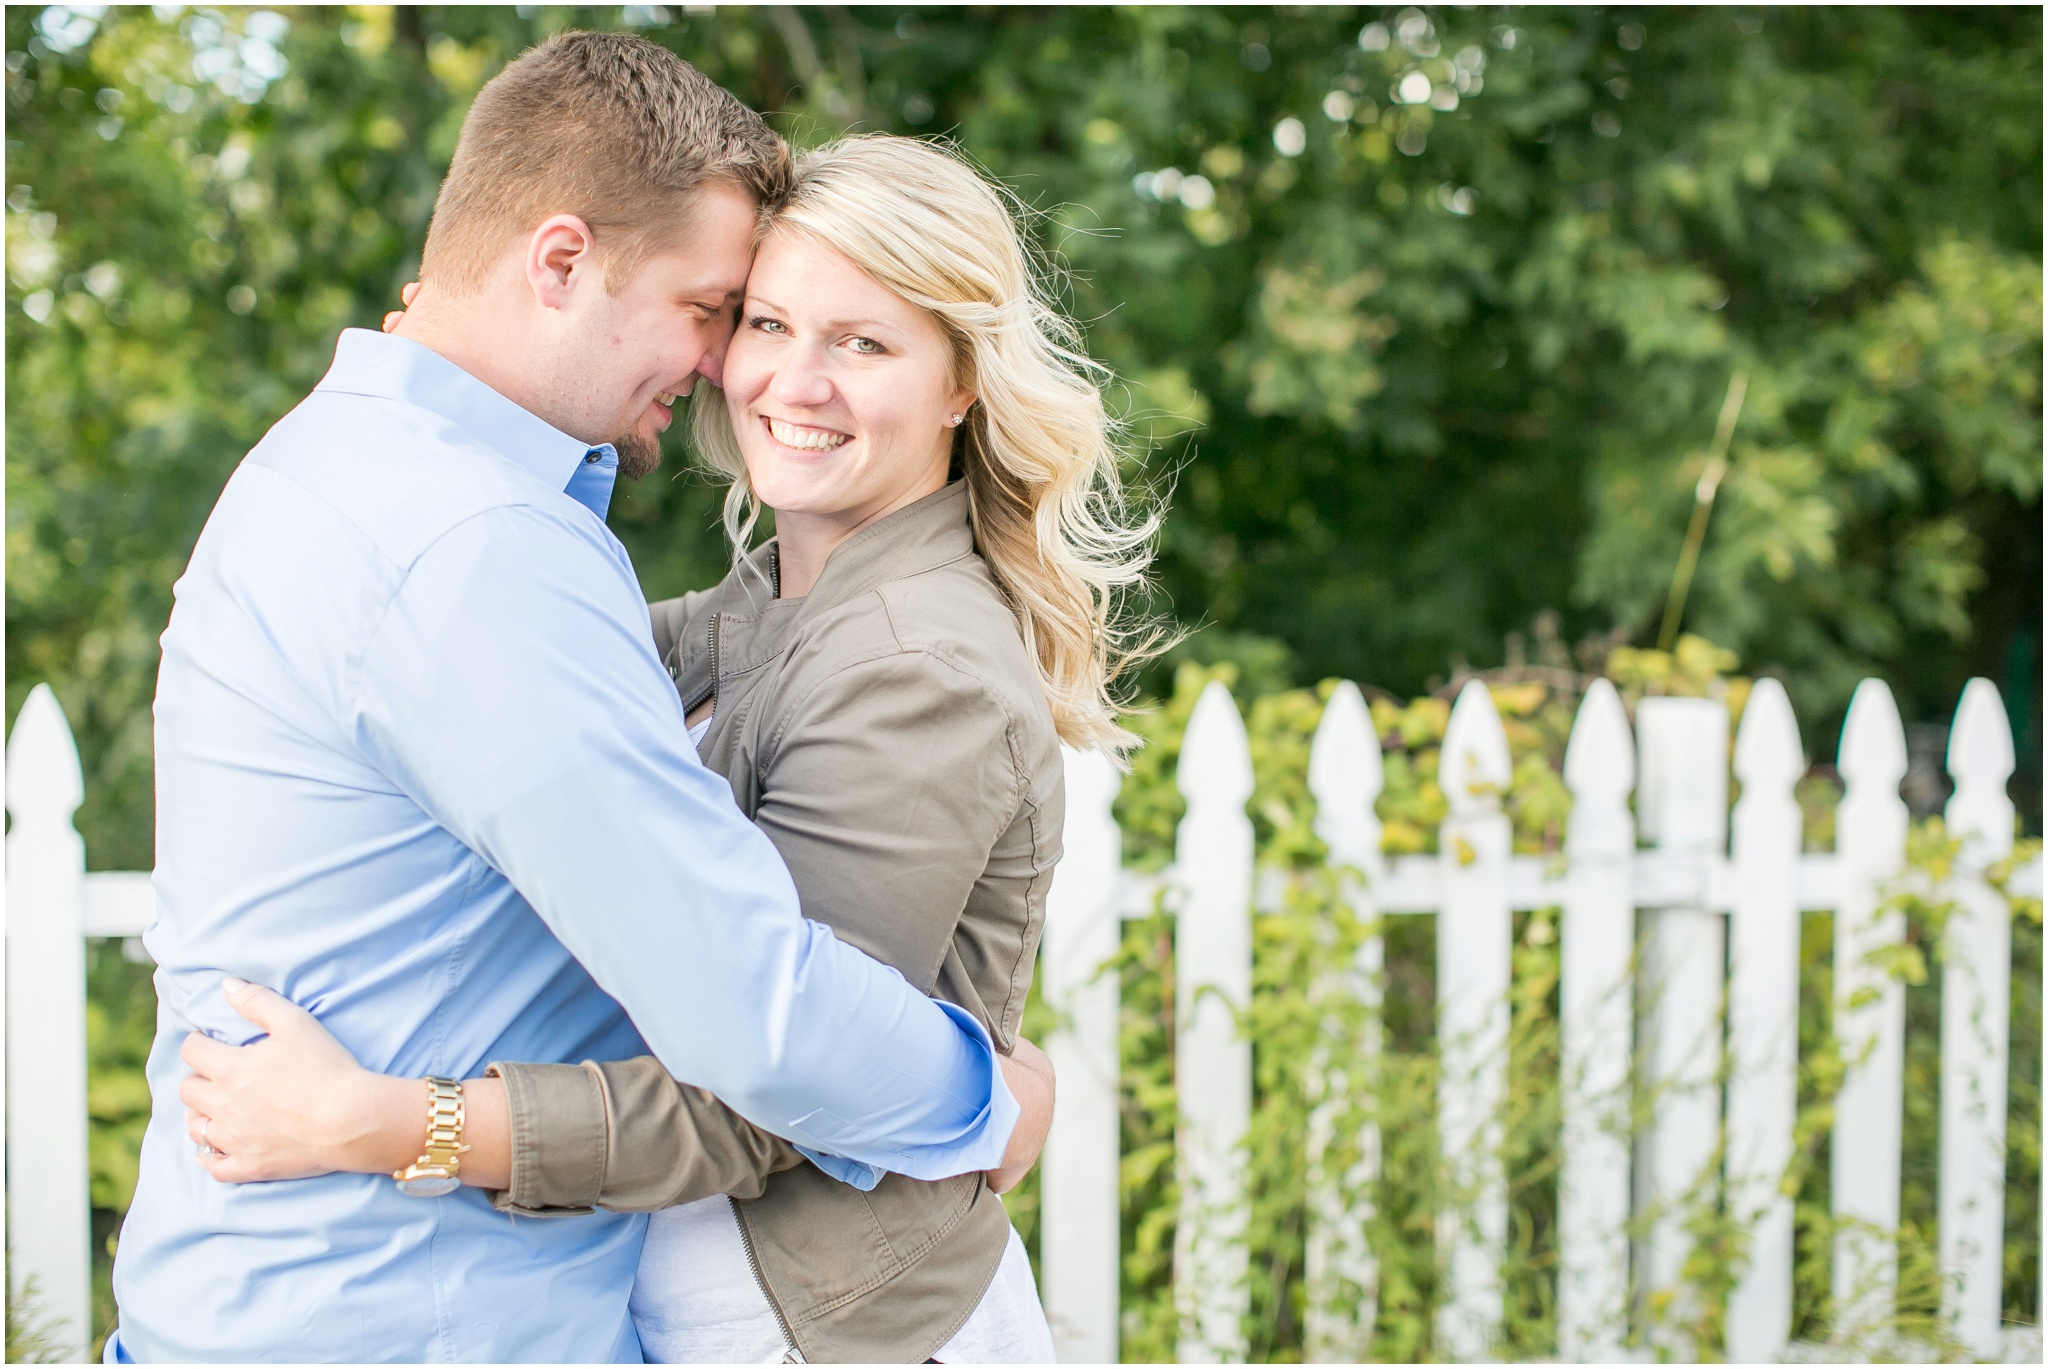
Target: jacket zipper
column 794, row 1355
column 711, row 637
column 710, row 690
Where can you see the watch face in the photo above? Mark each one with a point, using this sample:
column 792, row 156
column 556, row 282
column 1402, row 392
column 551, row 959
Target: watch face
column 433, row 1186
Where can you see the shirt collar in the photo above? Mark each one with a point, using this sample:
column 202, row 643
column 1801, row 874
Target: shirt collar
column 387, row 367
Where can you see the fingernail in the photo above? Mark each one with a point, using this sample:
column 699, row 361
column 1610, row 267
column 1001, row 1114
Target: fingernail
column 233, row 985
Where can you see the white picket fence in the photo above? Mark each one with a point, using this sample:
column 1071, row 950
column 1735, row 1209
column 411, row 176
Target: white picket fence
column 1709, row 904
column 1722, row 926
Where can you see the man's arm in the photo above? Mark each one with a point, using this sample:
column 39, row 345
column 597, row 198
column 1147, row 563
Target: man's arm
column 513, row 690
column 931, row 745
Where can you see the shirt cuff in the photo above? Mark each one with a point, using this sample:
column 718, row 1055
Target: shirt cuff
column 857, row 1173
column 980, row 1142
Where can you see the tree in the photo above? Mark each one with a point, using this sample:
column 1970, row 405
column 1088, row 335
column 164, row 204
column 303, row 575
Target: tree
column 1431, row 311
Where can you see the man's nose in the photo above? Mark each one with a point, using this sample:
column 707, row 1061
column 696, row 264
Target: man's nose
column 712, row 365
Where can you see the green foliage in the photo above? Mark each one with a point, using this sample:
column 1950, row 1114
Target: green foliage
column 2023, row 1183
column 1424, row 370
column 2023, row 1132
column 1148, row 1102
column 120, row 1026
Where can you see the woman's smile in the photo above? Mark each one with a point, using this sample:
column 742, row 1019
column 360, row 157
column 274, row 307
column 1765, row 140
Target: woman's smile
column 804, row 437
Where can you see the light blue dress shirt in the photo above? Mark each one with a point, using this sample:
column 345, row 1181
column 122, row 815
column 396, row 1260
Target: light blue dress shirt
column 419, row 770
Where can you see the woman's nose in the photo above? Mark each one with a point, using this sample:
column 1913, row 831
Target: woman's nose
column 800, row 381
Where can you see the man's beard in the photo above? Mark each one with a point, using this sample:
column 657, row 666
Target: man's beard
column 637, row 456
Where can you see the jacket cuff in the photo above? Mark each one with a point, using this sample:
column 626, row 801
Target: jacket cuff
column 559, row 1138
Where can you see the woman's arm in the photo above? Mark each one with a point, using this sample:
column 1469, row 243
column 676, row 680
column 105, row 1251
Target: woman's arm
column 295, row 1104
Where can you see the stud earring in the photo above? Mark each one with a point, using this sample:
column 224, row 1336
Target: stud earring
column 954, row 421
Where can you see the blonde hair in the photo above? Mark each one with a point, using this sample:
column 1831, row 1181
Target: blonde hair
column 1039, row 449
column 614, row 129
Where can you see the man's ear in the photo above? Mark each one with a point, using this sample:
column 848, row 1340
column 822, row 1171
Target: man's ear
column 561, row 255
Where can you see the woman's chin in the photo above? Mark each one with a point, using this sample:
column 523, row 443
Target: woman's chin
column 797, row 497
column 801, row 484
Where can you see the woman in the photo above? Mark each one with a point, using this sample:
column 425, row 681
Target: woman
column 886, row 685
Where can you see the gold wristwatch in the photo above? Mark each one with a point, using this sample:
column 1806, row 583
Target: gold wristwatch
column 434, row 1173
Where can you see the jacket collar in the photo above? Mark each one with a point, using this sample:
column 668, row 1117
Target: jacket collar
column 752, row 627
column 918, row 537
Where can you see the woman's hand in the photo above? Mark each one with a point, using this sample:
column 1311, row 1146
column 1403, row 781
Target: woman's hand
column 405, row 298
column 294, row 1104
column 1029, row 1074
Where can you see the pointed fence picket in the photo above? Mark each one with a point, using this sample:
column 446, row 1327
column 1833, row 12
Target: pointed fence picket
column 1683, row 884
column 1976, row 1012
column 1596, row 992
column 1682, row 806
column 1870, row 1013
column 48, row 1223
column 1763, row 1018
column 1474, row 938
column 1344, row 779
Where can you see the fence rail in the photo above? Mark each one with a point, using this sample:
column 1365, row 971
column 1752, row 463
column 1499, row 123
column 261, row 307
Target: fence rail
column 1721, row 928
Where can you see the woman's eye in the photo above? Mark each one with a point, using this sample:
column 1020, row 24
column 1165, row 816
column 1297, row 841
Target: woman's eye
column 866, row 346
column 767, row 325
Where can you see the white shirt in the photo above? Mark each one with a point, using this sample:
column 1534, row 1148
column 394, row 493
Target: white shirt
column 696, row 1300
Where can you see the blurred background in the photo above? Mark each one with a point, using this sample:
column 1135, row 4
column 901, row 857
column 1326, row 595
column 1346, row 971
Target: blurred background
column 1426, row 319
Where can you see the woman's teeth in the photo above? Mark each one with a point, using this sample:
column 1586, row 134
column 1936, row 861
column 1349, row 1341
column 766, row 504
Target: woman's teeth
column 806, row 439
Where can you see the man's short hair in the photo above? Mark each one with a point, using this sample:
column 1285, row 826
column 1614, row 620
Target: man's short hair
column 609, row 127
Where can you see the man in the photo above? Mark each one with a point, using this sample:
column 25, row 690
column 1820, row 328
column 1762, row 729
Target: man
column 420, row 771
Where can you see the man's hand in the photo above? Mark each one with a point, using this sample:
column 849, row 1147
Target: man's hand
column 1029, row 1075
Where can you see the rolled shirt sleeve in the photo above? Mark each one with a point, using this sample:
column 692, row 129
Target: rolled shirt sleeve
column 518, row 701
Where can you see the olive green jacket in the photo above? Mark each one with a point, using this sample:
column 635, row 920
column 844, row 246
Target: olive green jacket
column 889, row 734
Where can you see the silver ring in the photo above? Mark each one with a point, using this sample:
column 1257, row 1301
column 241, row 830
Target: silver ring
column 207, row 1147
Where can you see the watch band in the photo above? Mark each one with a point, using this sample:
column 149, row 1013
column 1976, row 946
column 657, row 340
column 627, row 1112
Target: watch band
column 442, row 1158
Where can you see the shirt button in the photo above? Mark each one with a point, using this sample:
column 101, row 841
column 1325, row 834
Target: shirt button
column 590, row 458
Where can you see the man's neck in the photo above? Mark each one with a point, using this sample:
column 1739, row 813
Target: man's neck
column 497, row 339
column 469, row 333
